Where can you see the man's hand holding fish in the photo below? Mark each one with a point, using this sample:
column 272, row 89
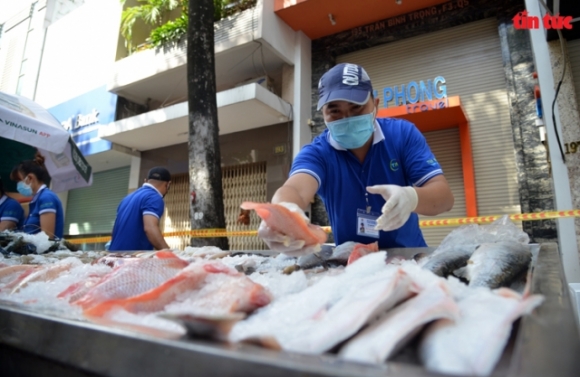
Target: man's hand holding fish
column 285, row 228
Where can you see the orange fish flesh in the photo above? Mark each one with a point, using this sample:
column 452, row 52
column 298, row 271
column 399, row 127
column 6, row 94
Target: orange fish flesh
column 241, row 294
column 133, row 278
column 284, row 221
column 360, row 250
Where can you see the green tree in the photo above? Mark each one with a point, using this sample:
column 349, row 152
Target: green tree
column 153, row 12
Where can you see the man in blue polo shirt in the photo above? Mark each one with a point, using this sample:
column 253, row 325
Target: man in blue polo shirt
column 376, row 172
column 137, row 223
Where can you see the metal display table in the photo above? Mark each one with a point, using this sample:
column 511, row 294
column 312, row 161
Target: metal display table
column 546, row 343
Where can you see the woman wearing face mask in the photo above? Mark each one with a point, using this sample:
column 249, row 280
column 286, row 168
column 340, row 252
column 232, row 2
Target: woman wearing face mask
column 376, row 172
column 45, row 209
column 11, row 212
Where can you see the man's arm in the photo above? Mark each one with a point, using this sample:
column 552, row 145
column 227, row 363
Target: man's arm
column 435, row 197
column 299, row 189
column 153, row 233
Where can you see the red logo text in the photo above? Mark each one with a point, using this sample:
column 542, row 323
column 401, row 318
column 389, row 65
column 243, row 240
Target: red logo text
column 523, row 20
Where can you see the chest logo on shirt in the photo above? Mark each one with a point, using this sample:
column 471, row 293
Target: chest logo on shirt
column 394, row 165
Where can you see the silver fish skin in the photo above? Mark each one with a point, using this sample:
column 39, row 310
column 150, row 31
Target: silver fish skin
column 444, row 262
column 317, row 259
column 473, row 344
column 327, row 256
column 497, row 264
column 382, row 338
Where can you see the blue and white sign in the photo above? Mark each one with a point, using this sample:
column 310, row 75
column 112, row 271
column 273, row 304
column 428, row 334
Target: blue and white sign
column 414, row 92
column 82, row 116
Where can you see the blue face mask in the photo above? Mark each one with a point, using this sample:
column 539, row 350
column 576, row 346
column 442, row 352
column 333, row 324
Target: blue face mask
column 352, row 132
column 24, row 189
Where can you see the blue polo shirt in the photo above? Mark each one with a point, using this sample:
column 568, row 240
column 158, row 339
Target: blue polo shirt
column 128, row 231
column 11, row 210
column 399, row 155
column 44, row 201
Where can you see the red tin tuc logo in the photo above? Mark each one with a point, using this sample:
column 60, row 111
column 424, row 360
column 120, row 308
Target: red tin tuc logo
column 523, row 20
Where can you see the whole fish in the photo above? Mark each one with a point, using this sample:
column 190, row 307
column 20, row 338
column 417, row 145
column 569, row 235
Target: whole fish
column 444, row 262
column 473, row 344
column 77, row 290
column 321, row 258
column 284, row 221
column 130, row 279
column 383, row 337
column 46, row 273
column 11, row 276
column 332, row 256
column 497, row 264
column 234, row 292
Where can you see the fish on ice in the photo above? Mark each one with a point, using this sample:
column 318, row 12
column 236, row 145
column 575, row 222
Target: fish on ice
column 234, row 292
column 473, row 343
column 444, row 261
column 330, row 311
column 497, row 264
column 131, row 279
column 383, row 337
column 340, row 255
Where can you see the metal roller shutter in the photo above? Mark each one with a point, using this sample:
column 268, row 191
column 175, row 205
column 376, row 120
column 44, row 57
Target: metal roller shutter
column 88, row 211
column 469, row 58
column 445, row 145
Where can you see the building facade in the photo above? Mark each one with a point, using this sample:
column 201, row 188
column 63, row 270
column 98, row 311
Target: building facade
column 488, row 67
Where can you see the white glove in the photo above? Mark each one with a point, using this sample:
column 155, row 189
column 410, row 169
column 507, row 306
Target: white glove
column 401, row 201
column 283, row 243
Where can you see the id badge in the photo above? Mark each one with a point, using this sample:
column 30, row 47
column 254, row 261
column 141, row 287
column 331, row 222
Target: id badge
column 366, row 222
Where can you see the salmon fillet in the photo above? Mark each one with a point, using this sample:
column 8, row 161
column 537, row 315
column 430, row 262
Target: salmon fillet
column 284, row 221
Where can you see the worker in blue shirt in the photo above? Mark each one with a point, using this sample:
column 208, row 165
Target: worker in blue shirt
column 11, row 212
column 376, row 172
column 138, row 215
column 45, row 211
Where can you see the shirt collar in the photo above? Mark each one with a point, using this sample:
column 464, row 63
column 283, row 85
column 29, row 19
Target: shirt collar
column 378, row 136
column 37, row 193
column 3, row 199
column 153, row 187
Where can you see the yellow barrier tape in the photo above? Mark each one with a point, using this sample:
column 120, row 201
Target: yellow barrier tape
column 489, row 219
column 210, row 233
